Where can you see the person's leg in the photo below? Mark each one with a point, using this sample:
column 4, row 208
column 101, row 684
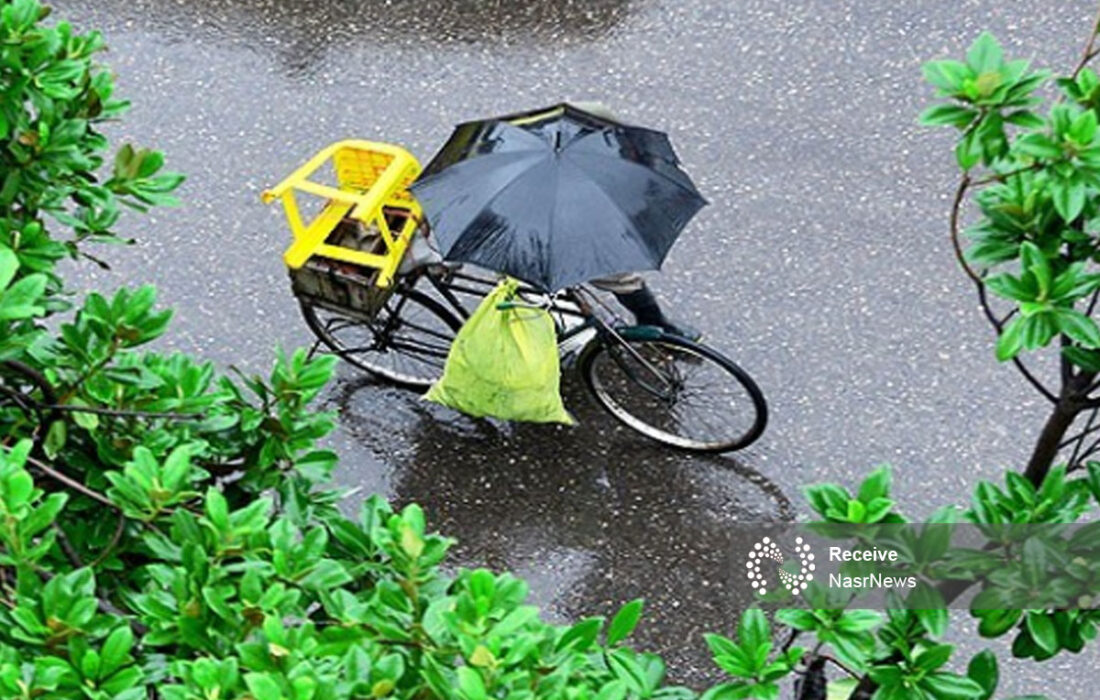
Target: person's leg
column 631, row 291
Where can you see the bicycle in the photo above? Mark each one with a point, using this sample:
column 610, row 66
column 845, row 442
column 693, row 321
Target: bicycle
column 366, row 306
column 642, row 375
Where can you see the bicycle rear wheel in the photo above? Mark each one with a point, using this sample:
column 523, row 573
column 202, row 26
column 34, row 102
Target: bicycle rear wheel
column 406, row 343
column 683, row 394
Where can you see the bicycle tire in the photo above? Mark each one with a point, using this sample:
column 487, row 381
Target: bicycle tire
column 601, row 349
column 381, row 358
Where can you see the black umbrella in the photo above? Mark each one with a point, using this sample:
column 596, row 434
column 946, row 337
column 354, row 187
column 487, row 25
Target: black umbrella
column 556, row 197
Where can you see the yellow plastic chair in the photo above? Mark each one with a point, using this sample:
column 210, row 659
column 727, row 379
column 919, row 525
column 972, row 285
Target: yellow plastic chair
column 373, row 183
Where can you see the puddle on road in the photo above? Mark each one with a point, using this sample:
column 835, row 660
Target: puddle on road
column 301, row 33
column 593, row 515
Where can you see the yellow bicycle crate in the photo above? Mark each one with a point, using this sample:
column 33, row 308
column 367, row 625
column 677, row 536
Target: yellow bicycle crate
column 357, row 239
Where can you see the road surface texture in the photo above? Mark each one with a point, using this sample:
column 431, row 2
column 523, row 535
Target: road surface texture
column 822, row 264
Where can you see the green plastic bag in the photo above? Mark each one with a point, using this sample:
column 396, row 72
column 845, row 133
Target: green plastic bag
column 504, row 363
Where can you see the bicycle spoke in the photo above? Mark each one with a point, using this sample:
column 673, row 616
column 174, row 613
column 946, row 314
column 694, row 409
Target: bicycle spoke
column 406, row 342
column 429, row 331
column 702, row 406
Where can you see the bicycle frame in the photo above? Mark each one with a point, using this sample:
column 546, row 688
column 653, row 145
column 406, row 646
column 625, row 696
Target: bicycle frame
column 456, row 282
column 448, row 288
column 422, row 317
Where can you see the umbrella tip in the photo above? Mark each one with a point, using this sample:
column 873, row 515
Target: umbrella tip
column 595, row 108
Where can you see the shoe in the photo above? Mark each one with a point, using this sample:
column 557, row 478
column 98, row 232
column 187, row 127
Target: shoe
column 647, row 312
column 681, row 329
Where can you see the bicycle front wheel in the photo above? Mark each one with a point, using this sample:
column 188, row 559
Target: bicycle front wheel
column 676, row 391
column 406, row 343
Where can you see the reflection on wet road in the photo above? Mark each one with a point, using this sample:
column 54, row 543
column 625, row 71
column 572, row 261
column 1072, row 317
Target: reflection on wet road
column 302, row 35
column 589, row 515
column 821, row 266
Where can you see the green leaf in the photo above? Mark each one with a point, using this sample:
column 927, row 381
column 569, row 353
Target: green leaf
column 947, row 75
column 856, row 512
column 1078, row 327
column 581, row 635
column 20, row 300
column 176, row 468
column 826, row 497
column 968, row 151
column 948, row 686
column 1042, row 631
column 217, row 509
column 982, row 669
column 858, row 621
column 116, row 650
column 994, row 623
column 984, row 55
column 1037, row 145
column 798, row 619
column 44, row 515
column 9, row 264
column 948, row 115
column 411, row 542
column 263, row 686
column 615, row 690
column 1069, row 198
column 753, row 631
column 719, row 645
column 627, row 669
column 1011, row 340
column 1083, row 128
column 1026, row 119
column 876, row 485
column 55, row 438
column 1009, row 287
column 1093, row 479
column 1034, row 261
column 930, row 609
column 1088, row 360
column 624, row 622
column 934, row 656
column 841, row 689
column 515, row 620
column 470, row 684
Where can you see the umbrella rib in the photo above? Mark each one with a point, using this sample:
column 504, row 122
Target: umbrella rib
column 553, row 210
column 654, row 171
column 527, row 153
column 496, row 195
column 446, row 249
column 616, row 208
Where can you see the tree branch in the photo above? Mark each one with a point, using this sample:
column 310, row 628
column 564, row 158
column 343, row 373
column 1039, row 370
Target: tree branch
column 71, row 483
column 983, row 294
column 1089, row 52
column 1001, row 177
column 1079, row 438
column 120, row 527
column 67, row 547
column 839, row 665
column 956, row 206
column 122, row 413
column 998, row 325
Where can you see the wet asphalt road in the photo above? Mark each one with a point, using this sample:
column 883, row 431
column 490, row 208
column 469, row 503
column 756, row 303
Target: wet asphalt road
column 822, row 264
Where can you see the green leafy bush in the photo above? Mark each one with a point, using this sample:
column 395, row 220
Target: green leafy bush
column 170, row 531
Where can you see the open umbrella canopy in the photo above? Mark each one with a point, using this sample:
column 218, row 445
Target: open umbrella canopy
column 556, row 197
